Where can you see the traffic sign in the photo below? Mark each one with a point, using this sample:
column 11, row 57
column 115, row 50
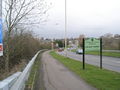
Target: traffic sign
column 92, row 44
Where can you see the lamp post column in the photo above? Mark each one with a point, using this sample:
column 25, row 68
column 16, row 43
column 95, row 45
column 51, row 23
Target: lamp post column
column 66, row 28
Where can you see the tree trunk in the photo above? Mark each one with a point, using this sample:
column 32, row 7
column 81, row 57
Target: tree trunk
column 7, row 53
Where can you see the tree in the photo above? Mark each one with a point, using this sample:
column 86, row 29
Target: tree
column 117, row 36
column 81, row 39
column 20, row 12
column 111, row 41
column 60, row 43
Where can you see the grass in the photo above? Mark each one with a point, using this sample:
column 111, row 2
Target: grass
column 101, row 79
column 74, row 50
column 112, row 54
column 33, row 73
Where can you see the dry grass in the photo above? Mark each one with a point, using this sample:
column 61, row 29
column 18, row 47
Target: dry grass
column 16, row 68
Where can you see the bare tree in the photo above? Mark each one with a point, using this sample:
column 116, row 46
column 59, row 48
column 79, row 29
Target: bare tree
column 81, row 40
column 111, row 41
column 21, row 12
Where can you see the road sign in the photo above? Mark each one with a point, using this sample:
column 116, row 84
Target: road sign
column 1, row 42
column 92, row 44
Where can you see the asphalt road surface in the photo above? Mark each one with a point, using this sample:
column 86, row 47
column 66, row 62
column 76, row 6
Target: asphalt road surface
column 58, row 77
column 109, row 63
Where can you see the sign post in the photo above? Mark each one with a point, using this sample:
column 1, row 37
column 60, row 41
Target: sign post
column 83, row 53
column 100, row 53
column 1, row 41
column 92, row 44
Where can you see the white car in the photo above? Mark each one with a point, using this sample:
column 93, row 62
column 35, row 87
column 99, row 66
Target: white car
column 79, row 51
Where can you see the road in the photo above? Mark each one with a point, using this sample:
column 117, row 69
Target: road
column 58, row 77
column 109, row 63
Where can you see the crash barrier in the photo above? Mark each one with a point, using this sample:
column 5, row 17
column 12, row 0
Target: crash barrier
column 17, row 80
column 8, row 82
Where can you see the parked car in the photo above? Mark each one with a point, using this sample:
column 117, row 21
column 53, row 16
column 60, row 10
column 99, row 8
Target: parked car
column 79, row 51
column 60, row 49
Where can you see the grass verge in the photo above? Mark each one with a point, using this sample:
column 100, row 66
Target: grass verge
column 101, row 79
column 112, row 54
column 74, row 50
column 30, row 84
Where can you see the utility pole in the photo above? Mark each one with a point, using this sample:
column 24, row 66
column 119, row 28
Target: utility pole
column 66, row 28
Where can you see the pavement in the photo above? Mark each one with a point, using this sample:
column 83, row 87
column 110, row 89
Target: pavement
column 110, row 63
column 58, row 77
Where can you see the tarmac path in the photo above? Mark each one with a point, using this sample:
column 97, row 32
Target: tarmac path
column 58, row 77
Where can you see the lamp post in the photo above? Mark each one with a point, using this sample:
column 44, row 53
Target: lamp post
column 66, row 28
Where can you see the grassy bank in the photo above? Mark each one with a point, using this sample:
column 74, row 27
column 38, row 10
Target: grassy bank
column 30, row 84
column 74, row 50
column 101, row 79
column 112, row 54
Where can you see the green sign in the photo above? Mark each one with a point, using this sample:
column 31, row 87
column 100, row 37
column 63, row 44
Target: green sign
column 92, row 44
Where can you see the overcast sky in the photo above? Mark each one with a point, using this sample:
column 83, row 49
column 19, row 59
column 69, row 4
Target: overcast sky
column 90, row 17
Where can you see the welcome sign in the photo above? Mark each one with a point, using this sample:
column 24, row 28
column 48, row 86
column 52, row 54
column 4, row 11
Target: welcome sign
column 92, row 44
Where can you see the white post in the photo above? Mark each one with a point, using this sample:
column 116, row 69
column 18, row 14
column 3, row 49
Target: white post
column 66, row 28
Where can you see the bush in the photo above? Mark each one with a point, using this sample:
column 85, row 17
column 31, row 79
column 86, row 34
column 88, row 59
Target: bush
column 22, row 47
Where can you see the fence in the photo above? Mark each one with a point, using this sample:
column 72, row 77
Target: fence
column 17, row 80
column 8, row 82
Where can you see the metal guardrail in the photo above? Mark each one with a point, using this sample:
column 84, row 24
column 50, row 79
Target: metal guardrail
column 20, row 83
column 8, row 82
column 17, row 80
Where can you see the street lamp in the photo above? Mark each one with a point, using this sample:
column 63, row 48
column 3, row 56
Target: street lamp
column 66, row 28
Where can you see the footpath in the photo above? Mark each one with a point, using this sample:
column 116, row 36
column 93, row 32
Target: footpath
column 58, row 77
